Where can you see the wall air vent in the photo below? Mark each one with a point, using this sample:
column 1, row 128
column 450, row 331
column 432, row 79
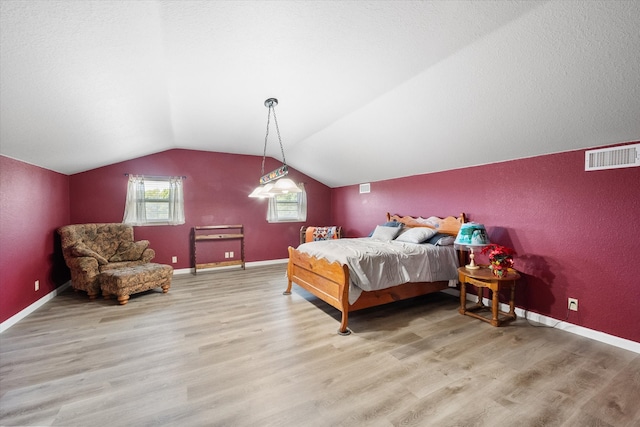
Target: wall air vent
column 365, row 188
column 612, row 158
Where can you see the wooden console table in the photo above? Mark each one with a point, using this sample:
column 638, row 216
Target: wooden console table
column 484, row 278
column 226, row 232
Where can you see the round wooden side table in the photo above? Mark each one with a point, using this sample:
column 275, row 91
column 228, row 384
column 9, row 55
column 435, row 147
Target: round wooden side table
column 483, row 278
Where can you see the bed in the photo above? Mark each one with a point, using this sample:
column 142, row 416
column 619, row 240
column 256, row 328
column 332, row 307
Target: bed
column 327, row 274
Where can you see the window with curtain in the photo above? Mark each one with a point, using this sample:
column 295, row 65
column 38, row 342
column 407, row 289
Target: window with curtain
column 289, row 207
column 154, row 201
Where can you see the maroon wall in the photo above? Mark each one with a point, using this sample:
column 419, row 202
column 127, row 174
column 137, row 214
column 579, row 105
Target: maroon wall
column 215, row 192
column 33, row 203
column 576, row 233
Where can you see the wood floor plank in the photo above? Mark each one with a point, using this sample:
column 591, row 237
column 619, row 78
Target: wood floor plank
column 619, row 401
column 226, row 348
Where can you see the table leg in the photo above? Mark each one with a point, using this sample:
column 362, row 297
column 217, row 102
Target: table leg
column 512, row 303
column 463, row 297
column 495, row 303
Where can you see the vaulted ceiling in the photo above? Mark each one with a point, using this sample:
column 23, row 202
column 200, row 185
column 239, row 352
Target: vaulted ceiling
column 367, row 90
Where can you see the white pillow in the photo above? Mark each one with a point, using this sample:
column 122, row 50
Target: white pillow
column 416, row 235
column 386, row 234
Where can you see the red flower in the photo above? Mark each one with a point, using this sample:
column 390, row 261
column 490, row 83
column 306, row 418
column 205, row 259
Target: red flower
column 499, row 256
column 498, row 250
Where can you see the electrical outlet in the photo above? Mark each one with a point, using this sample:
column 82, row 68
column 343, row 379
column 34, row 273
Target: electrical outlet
column 37, row 285
column 573, row 304
column 226, row 254
column 174, row 259
column 230, row 254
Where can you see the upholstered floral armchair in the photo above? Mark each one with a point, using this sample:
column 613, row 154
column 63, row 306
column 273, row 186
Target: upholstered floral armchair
column 90, row 249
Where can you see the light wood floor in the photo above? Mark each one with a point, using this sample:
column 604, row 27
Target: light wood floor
column 226, row 348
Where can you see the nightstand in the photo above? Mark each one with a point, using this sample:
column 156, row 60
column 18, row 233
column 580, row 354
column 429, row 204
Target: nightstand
column 484, row 278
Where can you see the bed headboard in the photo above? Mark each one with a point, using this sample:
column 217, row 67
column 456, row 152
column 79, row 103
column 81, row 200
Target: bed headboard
column 449, row 225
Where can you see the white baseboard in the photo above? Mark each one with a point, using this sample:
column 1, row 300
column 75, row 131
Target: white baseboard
column 560, row 324
column 33, row 307
column 233, row 267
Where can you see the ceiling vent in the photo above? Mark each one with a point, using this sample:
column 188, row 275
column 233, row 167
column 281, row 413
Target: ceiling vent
column 612, row 158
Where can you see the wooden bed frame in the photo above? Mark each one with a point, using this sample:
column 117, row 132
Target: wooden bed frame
column 330, row 281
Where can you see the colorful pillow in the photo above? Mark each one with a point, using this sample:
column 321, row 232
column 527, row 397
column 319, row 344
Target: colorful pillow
column 321, row 233
column 416, row 235
column 385, row 233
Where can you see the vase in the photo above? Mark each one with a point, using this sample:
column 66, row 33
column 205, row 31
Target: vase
column 500, row 269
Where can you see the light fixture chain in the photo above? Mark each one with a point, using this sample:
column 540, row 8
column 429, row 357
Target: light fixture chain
column 275, row 120
column 284, row 185
column 266, row 138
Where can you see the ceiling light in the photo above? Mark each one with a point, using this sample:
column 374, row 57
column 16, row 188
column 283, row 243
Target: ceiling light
column 281, row 185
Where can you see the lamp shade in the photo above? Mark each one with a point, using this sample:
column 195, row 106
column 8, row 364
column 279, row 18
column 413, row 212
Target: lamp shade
column 472, row 234
column 262, row 192
column 285, row 185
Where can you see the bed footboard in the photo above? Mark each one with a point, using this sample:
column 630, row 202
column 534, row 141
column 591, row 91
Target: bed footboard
column 327, row 281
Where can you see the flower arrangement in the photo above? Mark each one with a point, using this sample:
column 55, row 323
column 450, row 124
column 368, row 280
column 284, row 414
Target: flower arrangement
column 500, row 257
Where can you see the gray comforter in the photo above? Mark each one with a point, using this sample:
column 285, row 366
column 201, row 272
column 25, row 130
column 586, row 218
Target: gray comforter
column 374, row 264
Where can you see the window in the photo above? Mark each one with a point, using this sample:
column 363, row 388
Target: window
column 154, row 201
column 289, row 207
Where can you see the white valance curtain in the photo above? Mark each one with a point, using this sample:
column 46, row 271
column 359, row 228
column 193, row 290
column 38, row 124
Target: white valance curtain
column 135, row 211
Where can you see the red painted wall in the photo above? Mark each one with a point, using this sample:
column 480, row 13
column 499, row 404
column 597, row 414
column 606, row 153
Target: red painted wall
column 576, row 233
column 33, row 203
column 215, row 192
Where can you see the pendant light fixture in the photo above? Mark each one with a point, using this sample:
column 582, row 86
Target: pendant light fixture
column 274, row 182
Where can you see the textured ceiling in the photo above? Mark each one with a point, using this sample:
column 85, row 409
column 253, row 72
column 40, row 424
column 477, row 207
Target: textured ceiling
column 368, row 90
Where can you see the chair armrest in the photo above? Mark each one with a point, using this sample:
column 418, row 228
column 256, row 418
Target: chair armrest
column 148, row 255
column 85, row 265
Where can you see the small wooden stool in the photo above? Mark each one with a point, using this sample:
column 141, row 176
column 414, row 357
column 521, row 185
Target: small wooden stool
column 123, row 282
